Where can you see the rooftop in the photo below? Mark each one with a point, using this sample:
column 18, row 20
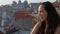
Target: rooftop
column 56, row 4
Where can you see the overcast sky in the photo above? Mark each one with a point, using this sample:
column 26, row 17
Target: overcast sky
column 4, row 2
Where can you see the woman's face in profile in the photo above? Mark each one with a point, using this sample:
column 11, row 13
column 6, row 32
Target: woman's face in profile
column 42, row 13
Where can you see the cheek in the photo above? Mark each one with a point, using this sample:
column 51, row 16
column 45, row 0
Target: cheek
column 44, row 15
column 41, row 14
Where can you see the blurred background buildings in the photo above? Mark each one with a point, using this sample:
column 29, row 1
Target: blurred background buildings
column 15, row 14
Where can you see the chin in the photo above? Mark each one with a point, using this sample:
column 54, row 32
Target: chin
column 43, row 20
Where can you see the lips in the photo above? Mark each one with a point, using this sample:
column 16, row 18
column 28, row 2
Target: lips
column 40, row 17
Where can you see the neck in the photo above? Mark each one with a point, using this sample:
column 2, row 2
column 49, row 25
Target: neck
column 46, row 28
column 46, row 24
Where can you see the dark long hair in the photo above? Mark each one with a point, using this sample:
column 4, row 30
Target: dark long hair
column 52, row 18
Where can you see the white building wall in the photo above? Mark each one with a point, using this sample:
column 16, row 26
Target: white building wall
column 58, row 0
column 25, row 23
column 4, row 15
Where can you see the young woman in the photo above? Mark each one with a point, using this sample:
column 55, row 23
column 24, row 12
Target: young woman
column 49, row 20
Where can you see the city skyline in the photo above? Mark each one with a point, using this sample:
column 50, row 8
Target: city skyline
column 4, row 2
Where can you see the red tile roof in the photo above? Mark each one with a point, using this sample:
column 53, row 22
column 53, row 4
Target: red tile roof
column 22, row 14
column 56, row 4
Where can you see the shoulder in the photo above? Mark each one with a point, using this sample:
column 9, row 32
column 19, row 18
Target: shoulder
column 57, row 30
